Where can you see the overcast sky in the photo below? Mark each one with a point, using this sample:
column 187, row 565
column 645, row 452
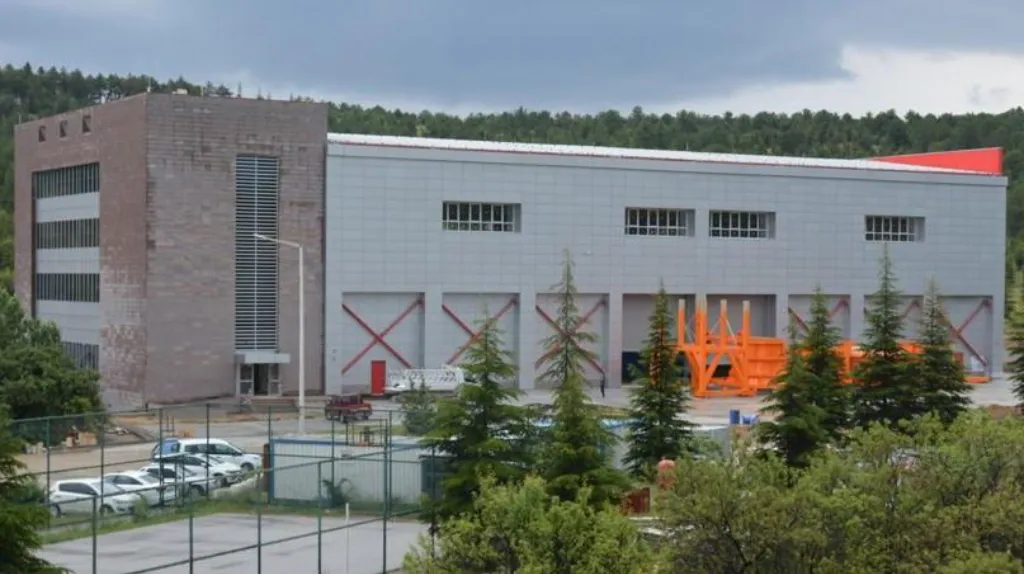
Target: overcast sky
column 582, row 55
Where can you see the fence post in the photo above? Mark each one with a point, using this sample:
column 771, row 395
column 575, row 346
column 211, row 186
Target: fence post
column 208, row 451
column 387, row 493
column 95, row 535
column 49, row 447
column 160, row 451
column 259, row 539
column 191, row 538
column 320, row 515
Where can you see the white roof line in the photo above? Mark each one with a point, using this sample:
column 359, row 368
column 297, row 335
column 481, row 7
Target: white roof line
column 631, row 153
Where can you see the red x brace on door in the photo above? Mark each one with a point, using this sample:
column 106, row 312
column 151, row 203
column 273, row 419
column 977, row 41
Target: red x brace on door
column 802, row 324
column 379, row 338
column 957, row 331
column 475, row 334
column 583, row 321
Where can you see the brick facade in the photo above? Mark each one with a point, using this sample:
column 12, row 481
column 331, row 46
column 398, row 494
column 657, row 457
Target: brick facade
column 167, row 233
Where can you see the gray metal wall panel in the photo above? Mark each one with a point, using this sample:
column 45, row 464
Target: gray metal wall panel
column 81, row 206
column 78, row 322
column 80, row 260
column 383, row 232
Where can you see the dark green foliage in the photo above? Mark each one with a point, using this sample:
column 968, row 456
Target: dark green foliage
column 1015, row 335
column 37, row 378
column 578, row 445
column 810, row 403
column 419, row 409
column 21, row 515
column 481, row 430
column 657, row 428
column 885, row 391
column 942, row 386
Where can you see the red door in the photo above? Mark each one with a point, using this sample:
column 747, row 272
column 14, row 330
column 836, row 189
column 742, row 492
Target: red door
column 378, row 377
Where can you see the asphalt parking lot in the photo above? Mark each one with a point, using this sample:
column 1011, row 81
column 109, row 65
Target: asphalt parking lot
column 355, row 550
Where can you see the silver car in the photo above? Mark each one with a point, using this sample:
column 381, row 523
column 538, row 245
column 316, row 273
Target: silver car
column 86, row 494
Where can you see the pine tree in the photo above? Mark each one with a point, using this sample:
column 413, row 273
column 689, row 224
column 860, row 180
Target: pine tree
column 481, row 431
column 656, row 427
column 1015, row 335
column 885, row 391
column 21, row 519
column 809, row 400
column 822, row 358
column 578, row 445
column 419, row 409
column 799, row 427
column 943, row 388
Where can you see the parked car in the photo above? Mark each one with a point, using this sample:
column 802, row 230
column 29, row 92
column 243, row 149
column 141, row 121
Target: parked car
column 186, row 483
column 83, row 495
column 226, row 473
column 220, row 448
column 144, row 484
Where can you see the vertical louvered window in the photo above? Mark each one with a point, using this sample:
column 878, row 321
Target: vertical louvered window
column 257, row 186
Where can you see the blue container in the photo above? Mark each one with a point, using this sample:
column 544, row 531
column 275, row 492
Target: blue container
column 749, row 419
column 734, row 417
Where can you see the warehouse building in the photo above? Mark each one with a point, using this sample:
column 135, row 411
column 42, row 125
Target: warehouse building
column 410, row 242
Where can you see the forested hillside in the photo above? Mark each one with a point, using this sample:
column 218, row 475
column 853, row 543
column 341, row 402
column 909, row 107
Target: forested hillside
column 27, row 93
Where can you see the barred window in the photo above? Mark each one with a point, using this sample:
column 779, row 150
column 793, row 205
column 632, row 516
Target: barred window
column 659, row 221
column 68, row 234
column 63, row 181
column 72, row 287
column 466, row 216
column 742, row 224
column 893, row 228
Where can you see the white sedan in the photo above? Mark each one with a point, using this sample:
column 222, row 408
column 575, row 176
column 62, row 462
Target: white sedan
column 226, row 473
column 86, row 494
column 143, row 484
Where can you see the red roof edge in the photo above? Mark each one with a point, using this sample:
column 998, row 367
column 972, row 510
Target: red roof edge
column 985, row 160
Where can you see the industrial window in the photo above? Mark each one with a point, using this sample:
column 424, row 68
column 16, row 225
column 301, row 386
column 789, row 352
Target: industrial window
column 466, row 216
column 72, row 287
column 63, row 181
column 68, row 234
column 41, row 133
column 257, row 187
column 84, row 355
column 63, row 127
column 659, row 221
column 894, row 228
column 742, row 224
column 86, row 124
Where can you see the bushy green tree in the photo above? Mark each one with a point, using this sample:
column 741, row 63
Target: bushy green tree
column 521, row 528
column 37, row 378
column 1015, row 335
column 810, row 403
column 481, row 431
column 885, row 390
column 942, row 385
column 657, row 428
column 20, row 516
column 577, row 445
column 419, row 409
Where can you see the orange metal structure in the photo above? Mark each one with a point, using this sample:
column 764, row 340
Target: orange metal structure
column 754, row 362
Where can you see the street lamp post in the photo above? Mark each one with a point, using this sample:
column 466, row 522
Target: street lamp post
column 302, row 325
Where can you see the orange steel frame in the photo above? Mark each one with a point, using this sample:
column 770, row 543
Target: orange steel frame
column 754, row 362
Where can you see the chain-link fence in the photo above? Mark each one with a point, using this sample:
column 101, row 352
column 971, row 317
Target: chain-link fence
column 195, row 489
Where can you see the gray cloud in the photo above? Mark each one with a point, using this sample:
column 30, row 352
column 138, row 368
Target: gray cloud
column 581, row 54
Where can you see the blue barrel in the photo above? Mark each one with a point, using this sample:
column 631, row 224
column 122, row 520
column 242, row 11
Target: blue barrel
column 749, row 419
column 734, row 416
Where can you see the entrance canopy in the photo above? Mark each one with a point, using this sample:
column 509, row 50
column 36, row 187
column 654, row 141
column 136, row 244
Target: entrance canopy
column 261, row 358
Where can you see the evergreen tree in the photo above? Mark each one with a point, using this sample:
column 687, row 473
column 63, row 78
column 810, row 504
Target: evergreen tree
column 20, row 516
column 885, row 391
column 809, row 400
column 419, row 409
column 1015, row 335
column 481, row 431
column 578, row 445
column 943, row 388
column 656, row 427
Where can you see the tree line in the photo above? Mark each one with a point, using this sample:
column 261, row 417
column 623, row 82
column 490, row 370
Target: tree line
column 885, row 469
column 27, row 93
